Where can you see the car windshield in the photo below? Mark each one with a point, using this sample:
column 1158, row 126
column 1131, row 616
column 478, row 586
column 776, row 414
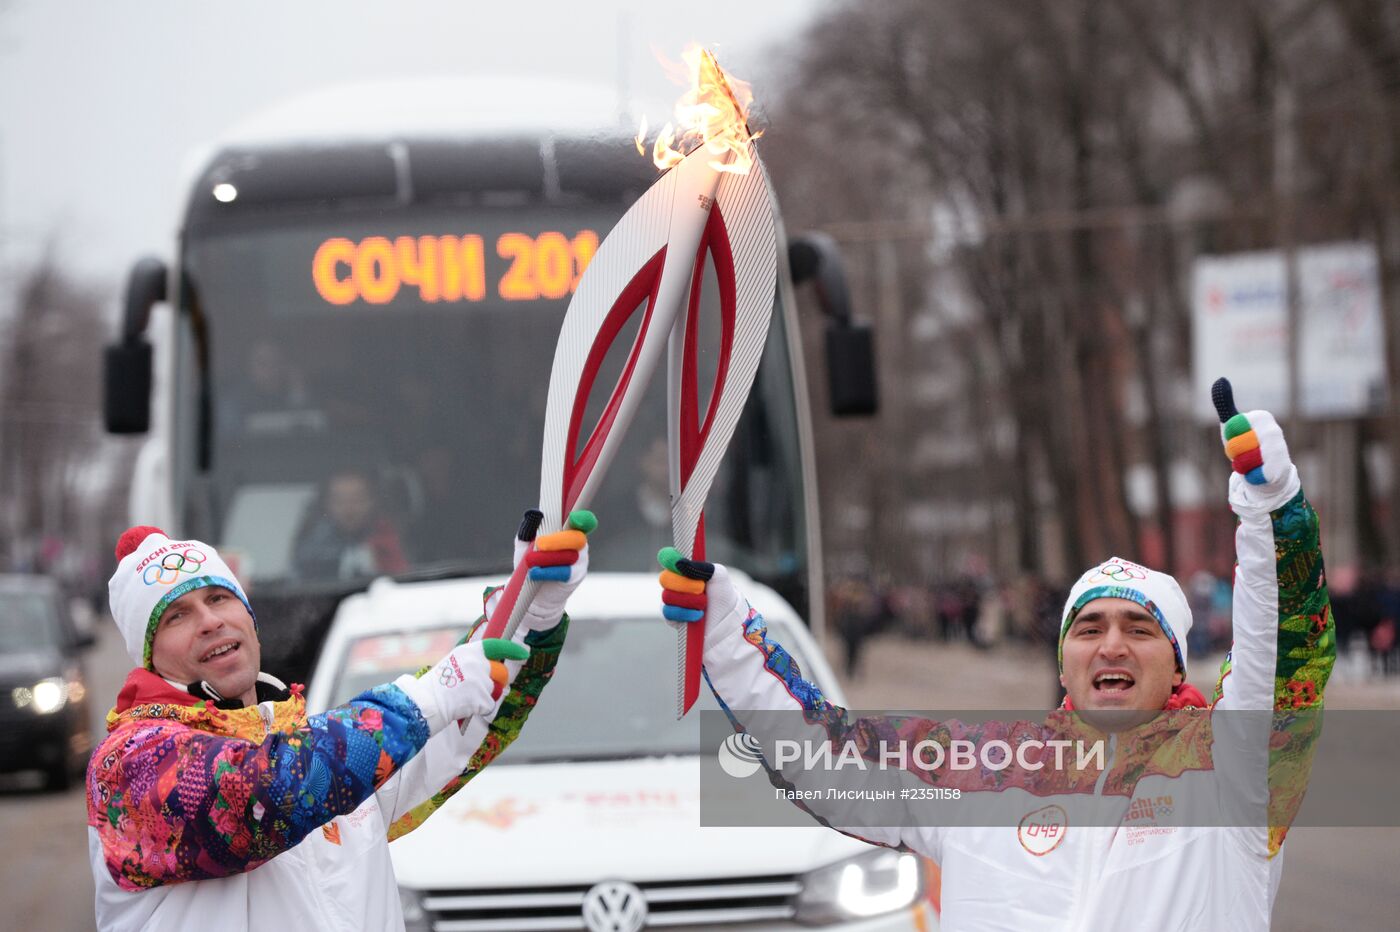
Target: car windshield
column 27, row 622
column 613, row 693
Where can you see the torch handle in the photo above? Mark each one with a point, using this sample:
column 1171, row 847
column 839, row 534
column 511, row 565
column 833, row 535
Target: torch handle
column 505, row 619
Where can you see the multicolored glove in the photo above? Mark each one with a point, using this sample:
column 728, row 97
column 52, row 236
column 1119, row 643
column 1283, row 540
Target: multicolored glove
column 1256, row 448
column 693, row 590
column 471, row 681
column 558, row 560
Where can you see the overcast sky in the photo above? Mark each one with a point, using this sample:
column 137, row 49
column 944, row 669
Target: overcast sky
column 102, row 100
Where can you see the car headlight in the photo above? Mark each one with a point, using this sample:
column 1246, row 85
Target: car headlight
column 46, row 696
column 868, row 884
column 50, row 695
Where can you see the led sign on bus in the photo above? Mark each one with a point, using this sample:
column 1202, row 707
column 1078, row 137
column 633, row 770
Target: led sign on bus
column 450, row 268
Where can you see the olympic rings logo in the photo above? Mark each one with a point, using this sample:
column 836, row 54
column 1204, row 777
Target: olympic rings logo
column 1120, row 572
column 450, row 673
column 171, row 565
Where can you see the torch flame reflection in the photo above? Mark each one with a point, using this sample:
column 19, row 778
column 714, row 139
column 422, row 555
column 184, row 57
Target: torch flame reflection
column 713, row 113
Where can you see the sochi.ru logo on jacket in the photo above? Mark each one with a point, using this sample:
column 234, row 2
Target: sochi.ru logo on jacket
column 168, row 569
column 740, row 755
column 1149, row 808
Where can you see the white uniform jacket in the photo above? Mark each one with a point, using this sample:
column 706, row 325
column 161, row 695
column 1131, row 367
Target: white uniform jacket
column 1167, row 848
column 228, row 820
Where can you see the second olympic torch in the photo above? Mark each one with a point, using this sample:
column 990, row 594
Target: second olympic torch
column 712, row 202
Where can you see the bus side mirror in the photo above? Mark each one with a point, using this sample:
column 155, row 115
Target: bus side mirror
column 126, row 382
column 126, row 370
column 850, row 369
column 850, row 346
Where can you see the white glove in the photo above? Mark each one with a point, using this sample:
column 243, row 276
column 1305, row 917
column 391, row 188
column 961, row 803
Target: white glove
column 696, row 591
column 559, row 562
column 470, row 682
column 1264, row 475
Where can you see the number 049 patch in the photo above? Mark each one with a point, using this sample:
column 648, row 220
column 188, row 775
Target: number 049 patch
column 1042, row 830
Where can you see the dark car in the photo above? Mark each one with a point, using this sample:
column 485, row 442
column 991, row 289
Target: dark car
column 43, row 690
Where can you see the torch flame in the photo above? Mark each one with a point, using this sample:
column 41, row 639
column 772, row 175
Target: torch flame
column 713, row 113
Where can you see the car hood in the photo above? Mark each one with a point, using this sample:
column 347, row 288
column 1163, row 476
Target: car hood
column 582, row 822
column 29, row 667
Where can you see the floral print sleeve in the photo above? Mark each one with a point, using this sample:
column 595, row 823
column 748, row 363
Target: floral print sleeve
column 191, row 792
column 1307, row 650
column 1307, row 640
column 1284, row 647
column 505, row 728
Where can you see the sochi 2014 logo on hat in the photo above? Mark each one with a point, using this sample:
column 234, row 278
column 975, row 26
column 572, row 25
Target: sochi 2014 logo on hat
column 1123, row 572
column 166, row 571
column 740, row 755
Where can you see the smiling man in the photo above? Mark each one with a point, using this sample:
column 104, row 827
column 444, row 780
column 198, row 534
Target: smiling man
column 207, row 636
column 1178, row 825
column 216, row 802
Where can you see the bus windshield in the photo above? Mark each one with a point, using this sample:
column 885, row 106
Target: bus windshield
column 378, row 385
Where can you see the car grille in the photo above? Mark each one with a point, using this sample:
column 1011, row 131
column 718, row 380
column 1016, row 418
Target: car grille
column 670, row 905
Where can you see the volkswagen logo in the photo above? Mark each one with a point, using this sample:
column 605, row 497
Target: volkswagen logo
column 614, row 906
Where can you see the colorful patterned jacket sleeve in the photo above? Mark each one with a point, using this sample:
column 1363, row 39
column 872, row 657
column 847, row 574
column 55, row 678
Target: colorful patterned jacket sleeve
column 1284, row 646
column 173, row 803
column 752, row 676
column 412, row 803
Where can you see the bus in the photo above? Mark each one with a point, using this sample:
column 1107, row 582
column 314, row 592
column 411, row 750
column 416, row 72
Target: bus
column 346, row 376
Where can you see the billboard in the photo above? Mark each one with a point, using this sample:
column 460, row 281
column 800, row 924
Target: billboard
column 1240, row 329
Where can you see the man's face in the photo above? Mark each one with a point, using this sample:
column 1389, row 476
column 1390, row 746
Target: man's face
column 349, row 502
column 208, row 635
column 1116, row 657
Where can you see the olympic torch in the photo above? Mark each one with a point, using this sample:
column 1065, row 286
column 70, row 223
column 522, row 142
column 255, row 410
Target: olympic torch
column 715, row 202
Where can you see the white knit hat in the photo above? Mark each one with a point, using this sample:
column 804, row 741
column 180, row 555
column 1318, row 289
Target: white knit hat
column 153, row 571
column 1116, row 578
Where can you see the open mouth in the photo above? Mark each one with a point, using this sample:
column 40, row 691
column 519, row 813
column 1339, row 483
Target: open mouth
column 223, row 650
column 1113, row 681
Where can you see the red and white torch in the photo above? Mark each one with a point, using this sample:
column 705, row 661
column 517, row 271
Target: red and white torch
column 712, row 201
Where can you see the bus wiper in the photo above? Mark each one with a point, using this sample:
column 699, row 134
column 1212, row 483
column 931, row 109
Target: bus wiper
column 453, row 569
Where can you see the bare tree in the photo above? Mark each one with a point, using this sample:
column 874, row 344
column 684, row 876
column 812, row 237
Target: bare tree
column 1066, row 162
column 49, row 392
column 1372, row 28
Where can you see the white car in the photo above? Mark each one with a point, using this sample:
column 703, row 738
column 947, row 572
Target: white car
column 600, row 795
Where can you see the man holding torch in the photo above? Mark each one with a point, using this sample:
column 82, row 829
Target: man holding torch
column 216, row 802
column 1123, row 663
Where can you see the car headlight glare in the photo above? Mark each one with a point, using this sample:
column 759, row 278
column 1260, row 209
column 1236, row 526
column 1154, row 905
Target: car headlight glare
column 870, row 884
column 50, row 695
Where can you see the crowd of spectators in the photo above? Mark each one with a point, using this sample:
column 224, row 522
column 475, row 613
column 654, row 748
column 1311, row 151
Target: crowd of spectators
column 1027, row 610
